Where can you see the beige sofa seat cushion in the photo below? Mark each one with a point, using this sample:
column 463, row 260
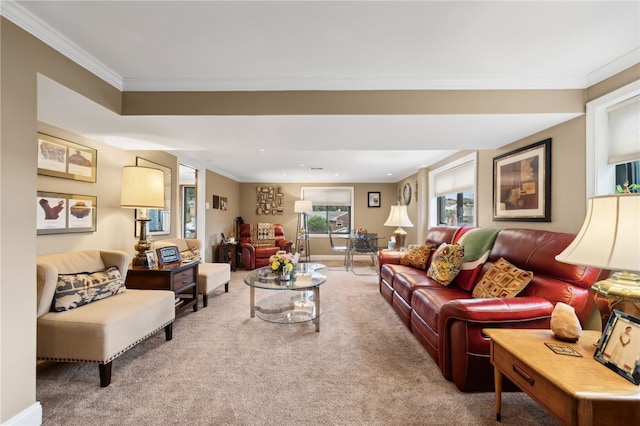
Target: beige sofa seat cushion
column 102, row 330
column 212, row 276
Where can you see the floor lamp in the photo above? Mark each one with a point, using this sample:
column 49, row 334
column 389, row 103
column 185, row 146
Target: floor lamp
column 398, row 217
column 610, row 239
column 142, row 188
column 302, row 207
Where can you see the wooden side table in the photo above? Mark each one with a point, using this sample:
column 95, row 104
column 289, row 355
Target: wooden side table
column 574, row 390
column 181, row 278
column 227, row 254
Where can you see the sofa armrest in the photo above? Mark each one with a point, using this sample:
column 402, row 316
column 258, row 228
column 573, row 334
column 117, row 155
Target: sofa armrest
column 461, row 341
column 389, row 256
column 47, row 278
column 285, row 245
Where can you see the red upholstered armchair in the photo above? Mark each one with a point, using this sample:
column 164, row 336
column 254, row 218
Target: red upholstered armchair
column 259, row 241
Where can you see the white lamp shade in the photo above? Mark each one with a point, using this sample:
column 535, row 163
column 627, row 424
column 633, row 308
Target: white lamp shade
column 142, row 188
column 398, row 217
column 610, row 236
column 302, row 206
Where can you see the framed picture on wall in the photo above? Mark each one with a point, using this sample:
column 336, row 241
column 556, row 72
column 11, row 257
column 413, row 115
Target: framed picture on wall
column 160, row 219
column 58, row 213
column 522, row 184
column 60, row 158
column 373, row 199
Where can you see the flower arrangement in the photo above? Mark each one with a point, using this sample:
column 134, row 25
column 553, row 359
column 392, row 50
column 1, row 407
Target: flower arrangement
column 282, row 262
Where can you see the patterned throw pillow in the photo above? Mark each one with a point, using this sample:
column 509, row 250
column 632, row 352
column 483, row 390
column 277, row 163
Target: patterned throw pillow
column 502, row 280
column 446, row 263
column 75, row 290
column 192, row 255
column 416, row 256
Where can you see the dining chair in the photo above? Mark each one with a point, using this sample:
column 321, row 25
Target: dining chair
column 341, row 249
column 364, row 244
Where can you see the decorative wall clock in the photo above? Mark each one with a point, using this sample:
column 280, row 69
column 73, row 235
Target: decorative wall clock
column 406, row 193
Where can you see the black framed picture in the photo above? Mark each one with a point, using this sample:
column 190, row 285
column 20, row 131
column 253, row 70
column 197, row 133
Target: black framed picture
column 216, row 202
column 619, row 346
column 168, row 254
column 374, row 199
column 522, row 184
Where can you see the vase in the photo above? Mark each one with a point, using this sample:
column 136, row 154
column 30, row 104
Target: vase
column 284, row 275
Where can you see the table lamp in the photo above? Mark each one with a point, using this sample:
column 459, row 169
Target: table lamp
column 398, row 217
column 610, row 240
column 142, row 188
column 302, row 207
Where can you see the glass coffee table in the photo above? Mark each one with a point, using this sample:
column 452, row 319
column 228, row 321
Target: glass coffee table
column 298, row 300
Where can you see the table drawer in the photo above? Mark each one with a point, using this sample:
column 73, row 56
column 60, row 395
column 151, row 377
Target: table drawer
column 182, row 279
column 545, row 393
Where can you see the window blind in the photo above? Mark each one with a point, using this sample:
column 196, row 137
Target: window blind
column 624, row 131
column 454, row 180
column 334, row 196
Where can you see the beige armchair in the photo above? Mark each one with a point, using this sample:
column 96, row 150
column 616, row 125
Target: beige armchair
column 94, row 326
column 210, row 275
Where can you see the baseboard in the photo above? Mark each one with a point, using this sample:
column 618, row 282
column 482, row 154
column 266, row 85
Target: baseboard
column 32, row 416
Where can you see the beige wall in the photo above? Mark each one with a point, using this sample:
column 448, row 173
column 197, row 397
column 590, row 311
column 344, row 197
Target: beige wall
column 370, row 218
column 110, row 215
column 23, row 57
column 219, row 221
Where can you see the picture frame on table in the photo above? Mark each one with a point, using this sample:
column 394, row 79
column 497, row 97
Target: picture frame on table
column 63, row 159
column 619, row 346
column 152, row 261
column 373, row 199
column 59, row 213
column 522, row 184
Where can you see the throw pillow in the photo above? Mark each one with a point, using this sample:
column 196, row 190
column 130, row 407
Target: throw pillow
column 416, row 256
column 502, row 280
column 192, row 255
column 446, row 263
column 75, row 290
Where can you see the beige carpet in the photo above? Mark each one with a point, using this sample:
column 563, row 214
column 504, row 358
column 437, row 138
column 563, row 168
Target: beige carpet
column 224, row 368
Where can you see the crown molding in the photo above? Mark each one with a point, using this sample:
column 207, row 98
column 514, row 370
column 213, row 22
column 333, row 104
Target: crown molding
column 39, row 29
column 614, row 67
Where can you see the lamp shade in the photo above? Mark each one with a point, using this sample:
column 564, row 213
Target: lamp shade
column 610, row 236
column 142, row 188
column 398, row 217
column 302, row 206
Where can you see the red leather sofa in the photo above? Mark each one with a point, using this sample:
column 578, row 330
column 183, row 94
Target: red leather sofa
column 255, row 254
column 448, row 321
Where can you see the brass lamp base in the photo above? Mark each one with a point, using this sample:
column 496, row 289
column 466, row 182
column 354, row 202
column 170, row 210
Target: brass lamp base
column 620, row 291
column 400, row 235
column 142, row 246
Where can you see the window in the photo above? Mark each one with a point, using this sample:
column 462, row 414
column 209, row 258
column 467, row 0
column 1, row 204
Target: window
column 613, row 140
column 456, row 209
column 332, row 209
column 452, row 193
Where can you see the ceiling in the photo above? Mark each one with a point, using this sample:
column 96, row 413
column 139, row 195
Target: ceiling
column 304, row 45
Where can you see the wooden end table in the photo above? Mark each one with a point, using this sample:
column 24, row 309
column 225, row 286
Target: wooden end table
column 181, row 278
column 227, row 254
column 574, row 390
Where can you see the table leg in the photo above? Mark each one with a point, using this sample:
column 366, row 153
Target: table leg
column 252, row 299
column 316, row 298
column 497, row 377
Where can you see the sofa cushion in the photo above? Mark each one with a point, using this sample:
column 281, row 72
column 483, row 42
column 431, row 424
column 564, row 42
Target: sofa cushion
column 502, row 280
column 446, row 263
column 416, row 256
column 477, row 244
column 74, row 290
